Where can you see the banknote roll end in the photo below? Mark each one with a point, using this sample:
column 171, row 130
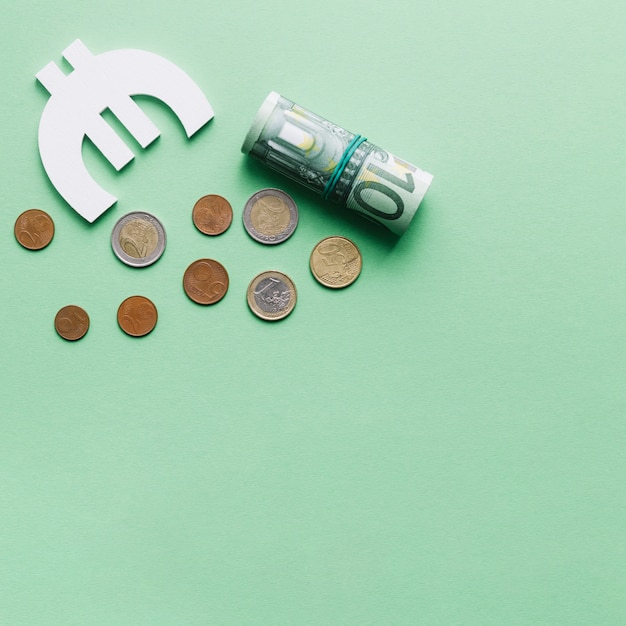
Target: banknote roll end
column 259, row 121
column 422, row 182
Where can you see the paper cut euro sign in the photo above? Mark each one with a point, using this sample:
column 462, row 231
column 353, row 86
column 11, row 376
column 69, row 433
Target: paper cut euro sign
column 107, row 81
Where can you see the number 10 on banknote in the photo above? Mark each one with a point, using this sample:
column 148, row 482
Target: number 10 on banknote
column 341, row 166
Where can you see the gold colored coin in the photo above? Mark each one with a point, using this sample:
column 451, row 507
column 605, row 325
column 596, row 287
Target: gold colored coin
column 34, row 229
column 212, row 214
column 138, row 238
column 272, row 295
column 71, row 322
column 336, row 262
column 206, row 281
column 137, row 316
column 270, row 215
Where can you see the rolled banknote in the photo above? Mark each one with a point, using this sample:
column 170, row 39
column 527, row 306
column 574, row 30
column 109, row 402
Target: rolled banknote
column 343, row 167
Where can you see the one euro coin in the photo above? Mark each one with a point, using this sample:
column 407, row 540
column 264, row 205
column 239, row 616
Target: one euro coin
column 272, row 295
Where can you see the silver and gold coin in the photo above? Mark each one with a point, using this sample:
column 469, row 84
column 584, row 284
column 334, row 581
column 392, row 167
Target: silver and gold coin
column 336, row 262
column 138, row 239
column 272, row 295
column 270, row 216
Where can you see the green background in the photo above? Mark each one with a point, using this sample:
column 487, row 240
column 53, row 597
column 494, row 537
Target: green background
column 441, row 443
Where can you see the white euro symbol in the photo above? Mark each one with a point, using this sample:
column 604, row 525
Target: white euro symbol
column 99, row 82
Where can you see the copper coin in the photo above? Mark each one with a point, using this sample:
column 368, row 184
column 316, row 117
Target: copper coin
column 71, row 322
column 212, row 214
column 137, row 316
column 205, row 281
column 34, row 229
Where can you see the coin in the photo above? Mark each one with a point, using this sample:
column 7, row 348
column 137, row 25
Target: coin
column 212, row 214
column 336, row 262
column 272, row 295
column 206, row 281
column 137, row 316
column 270, row 216
column 138, row 239
column 71, row 322
column 34, row 229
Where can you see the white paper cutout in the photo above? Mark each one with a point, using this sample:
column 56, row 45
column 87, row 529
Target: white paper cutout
column 99, row 82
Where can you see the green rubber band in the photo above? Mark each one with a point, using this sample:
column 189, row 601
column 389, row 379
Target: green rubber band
column 341, row 166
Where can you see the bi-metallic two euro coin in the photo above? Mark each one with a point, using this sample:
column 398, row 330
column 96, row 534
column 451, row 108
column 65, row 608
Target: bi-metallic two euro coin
column 138, row 239
column 270, row 216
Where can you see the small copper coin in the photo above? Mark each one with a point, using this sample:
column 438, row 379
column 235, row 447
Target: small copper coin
column 212, row 214
column 71, row 322
column 336, row 262
column 137, row 316
column 34, row 229
column 206, row 281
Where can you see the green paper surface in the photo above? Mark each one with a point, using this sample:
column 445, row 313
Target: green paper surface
column 441, row 443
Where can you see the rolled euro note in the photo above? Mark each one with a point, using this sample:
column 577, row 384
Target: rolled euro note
column 343, row 167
